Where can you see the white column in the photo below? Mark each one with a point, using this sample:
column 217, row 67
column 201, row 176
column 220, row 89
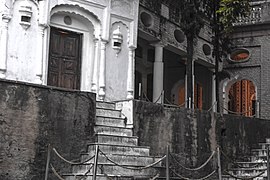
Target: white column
column 95, row 66
column 130, row 75
column 3, row 45
column 158, row 74
column 40, row 54
column 214, row 103
column 102, row 71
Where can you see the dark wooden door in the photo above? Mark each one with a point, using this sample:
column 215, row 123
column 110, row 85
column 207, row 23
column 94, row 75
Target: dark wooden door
column 64, row 66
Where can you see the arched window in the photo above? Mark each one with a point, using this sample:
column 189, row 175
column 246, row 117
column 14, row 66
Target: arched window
column 242, row 98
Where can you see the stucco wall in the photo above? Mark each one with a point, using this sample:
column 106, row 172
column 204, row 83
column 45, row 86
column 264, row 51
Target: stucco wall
column 31, row 117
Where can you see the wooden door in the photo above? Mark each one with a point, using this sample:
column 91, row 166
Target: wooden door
column 242, row 98
column 64, row 67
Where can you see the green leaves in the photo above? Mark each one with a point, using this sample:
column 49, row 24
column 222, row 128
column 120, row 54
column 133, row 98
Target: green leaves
column 230, row 10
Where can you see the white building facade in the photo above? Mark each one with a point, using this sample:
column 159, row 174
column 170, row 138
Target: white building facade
column 86, row 45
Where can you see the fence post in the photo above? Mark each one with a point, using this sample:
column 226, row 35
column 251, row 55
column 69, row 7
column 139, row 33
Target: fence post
column 167, row 163
column 268, row 163
column 48, row 162
column 95, row 163
column 219, row 164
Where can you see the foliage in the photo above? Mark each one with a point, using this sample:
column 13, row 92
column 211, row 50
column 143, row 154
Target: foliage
column 190, row 21
column 194, row 12
column 230, row 10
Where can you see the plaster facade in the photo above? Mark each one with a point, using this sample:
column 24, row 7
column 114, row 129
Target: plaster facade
column 25, row 42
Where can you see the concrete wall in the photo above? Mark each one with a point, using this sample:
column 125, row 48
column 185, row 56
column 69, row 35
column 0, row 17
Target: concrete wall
column 31, row 117
column 194, row 134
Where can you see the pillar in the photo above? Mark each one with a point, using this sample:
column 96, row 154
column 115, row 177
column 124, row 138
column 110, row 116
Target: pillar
column 95, row 69
column 40, row 53
column 214, row 103
column 41, row 46
column 158, row 74
column 130, row 75
column 3, row 45
column 102, row 71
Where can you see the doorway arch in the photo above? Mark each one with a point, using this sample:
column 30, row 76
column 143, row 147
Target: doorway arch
column 77, row 20
column 241, row 97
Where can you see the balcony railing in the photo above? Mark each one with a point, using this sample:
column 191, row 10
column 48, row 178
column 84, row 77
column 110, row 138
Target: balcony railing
column 254, row 17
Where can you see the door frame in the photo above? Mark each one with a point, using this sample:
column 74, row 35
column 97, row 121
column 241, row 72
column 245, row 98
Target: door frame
column 87, row 52
column 79, row 65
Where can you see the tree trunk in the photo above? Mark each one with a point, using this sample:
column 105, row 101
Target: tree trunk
column 190, row 71
column 216, row 51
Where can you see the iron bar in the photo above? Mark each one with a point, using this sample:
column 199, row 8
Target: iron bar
column 48, row 162
column 95, row 163
column 167, row 163
column 219, row 164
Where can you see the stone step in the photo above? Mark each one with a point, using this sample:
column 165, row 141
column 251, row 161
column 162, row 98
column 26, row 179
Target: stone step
column 264, row 145
column 243, row 176
column 117, row 140
column 247, row 172
column 106, row 105
column 106, row 177
column 105, row 168
column 258, row 158
column 111, row 121
column 259, row 152
column 108, row 112
column 251, row 164
column 119, row 131
column 120, row 149
column 126, row 160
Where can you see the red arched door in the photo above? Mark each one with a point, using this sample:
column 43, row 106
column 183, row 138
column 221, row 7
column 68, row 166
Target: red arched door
column 242, row 98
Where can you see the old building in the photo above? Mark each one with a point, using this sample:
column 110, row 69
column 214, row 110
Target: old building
column 64, row 64
column 71, row 44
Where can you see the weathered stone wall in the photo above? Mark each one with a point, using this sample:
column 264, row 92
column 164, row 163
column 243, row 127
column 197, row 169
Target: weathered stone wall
column 240, row 134
column 189, row 133
column 31, row 117
column 195, row 134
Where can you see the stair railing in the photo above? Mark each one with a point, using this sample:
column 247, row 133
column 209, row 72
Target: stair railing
column 95, row 163
column 241, row 177
column 48, row 163
column 268, row 164
column 177, row 164
column 219, row 164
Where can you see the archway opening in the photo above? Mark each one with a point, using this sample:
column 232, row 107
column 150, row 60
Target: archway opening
column 242, row 98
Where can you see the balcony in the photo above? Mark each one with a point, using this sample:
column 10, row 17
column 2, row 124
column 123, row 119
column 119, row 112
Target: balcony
column 254, row 17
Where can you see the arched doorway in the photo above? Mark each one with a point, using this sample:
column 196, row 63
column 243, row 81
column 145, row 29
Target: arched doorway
column 73, row 47
column 242, row 98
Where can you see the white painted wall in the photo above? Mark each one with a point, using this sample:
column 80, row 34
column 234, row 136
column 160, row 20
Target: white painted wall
column 27, row 49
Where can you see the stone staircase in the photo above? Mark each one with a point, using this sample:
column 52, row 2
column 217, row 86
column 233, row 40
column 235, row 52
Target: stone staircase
column 257, row 164
column 118, row 143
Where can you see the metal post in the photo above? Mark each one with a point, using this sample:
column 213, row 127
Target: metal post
column 48, row 162
column 95, row 163
column 268, row 167
column 167, row 164
column 219, row 165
